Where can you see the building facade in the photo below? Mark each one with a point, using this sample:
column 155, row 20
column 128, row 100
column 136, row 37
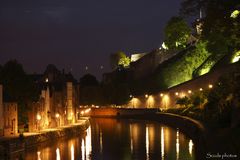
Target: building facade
column 8, row 116
column 57, row 102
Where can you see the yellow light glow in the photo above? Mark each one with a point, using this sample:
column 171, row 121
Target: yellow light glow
column 46, row 80
column 150, row 101
column 235, row 57
column 88, row 144
column 176, row 93
column 146, row 95
column 135, row 102
column 39, row 117
column 190, row 147
column 182, row 94
column 235, row 14
column 162, row 143
column 177, row 145
column 200, row 89
column 58, row 157
column 87, row 110
column 83, row 150
column 147, row 143
column 164, row 46
column 165, row 101
column 72, row 152
column 57, row 115
column 39, row 155
column 210, row 86
column 130, row 96
column 189, row 91
column 161, row 94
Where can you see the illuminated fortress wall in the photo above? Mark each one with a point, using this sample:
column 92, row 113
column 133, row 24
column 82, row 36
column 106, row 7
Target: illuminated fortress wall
column 167, row 98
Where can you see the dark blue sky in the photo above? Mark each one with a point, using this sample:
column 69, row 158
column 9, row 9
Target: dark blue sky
column 78, row 33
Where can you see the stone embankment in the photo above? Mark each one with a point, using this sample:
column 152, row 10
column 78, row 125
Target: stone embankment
column 11, row 145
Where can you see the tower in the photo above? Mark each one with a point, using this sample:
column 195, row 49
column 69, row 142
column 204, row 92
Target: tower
column 47, row 107
column 70, row 113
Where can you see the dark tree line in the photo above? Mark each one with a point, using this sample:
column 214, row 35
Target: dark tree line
column 18, row 87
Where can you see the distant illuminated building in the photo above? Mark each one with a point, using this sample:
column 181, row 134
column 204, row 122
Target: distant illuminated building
column 135, row 57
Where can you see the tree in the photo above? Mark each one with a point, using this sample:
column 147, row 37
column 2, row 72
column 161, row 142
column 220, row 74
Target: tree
column 177, row 33
column 181, row 68
column 124, row 61
column 221, row 28
column 88, row 80
column 90, row 91
column 18, row 87
column 119, row 59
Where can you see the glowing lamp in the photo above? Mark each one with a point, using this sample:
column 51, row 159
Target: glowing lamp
column 39, row 117
column 210, row 86
column 57, row 115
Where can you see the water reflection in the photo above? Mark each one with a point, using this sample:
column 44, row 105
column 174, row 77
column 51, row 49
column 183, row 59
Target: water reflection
column 58, row 154
column 72, row 152
column 39, row 155
column 118, row 140
column 177, row 145
column 147, row 144
column 162, row 143
column 83, row 149
column 190, row 147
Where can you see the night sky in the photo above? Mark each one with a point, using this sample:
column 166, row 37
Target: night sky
column 73, row 34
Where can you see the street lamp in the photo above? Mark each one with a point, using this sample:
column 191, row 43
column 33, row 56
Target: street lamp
column 210, row 86
column 58, row 119
column 38, row 121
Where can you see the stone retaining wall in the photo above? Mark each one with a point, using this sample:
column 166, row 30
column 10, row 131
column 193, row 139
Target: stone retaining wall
column 18, row 144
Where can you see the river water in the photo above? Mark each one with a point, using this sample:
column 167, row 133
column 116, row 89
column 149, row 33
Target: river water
column 118, row 139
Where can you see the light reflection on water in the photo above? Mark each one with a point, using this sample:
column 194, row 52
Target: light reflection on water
column 109, row 139
column 162, row 143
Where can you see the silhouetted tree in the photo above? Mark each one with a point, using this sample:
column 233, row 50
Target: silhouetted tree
column 88, row 80
column 18, row 86
column 177, row 33
column 90, row 90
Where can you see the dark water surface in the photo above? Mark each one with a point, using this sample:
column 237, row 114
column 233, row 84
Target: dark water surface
column 114, row 139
